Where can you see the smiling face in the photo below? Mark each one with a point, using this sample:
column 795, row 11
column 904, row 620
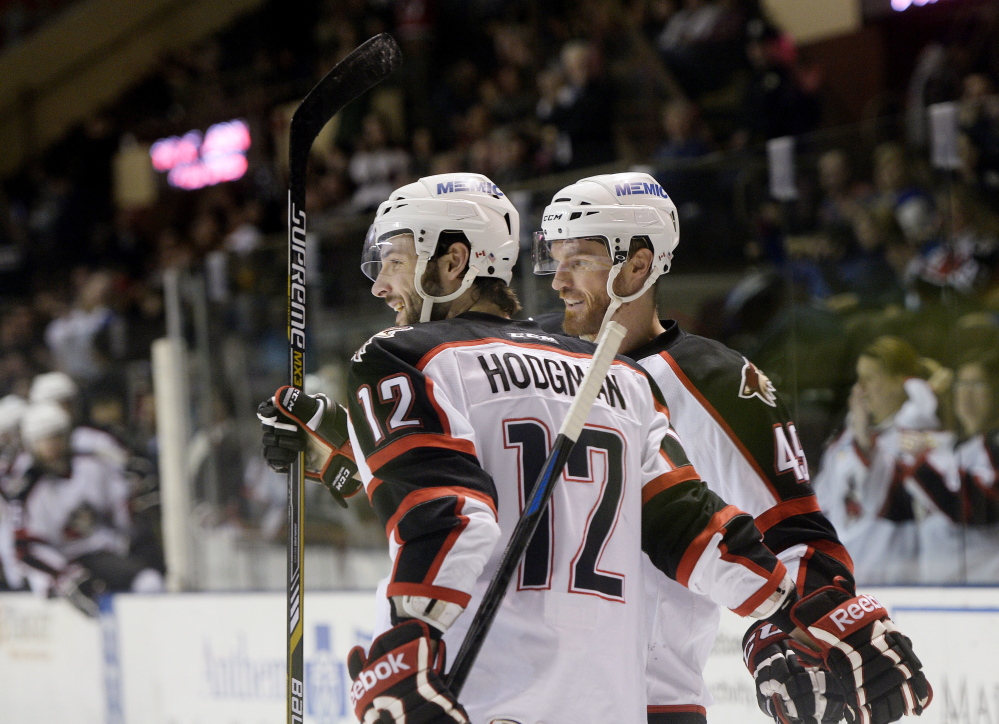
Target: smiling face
column 396, row 280
column 581, row 282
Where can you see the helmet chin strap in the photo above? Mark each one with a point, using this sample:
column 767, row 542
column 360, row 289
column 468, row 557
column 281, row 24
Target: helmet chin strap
column 616, row 300
column 429, row 301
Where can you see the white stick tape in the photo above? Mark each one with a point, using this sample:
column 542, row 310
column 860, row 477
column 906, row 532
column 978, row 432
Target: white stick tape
column 607, row 347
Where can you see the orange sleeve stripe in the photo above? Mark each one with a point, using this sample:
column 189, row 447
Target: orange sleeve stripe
column 668, row 480
column 394, row 449
column 754, row 601
column 424, row 494
column 422, row 589
column 677, row 709
column 696, row 548
column 786, row 509
column 833, row 550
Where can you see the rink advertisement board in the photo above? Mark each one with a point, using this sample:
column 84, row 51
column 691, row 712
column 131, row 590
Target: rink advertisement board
column 220, row 658
column 195, row 659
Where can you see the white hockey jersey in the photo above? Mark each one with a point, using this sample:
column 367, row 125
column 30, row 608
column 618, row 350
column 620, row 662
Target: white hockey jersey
column 742, row 440
column 57, row 519
column 454, row 420
column 960, row 487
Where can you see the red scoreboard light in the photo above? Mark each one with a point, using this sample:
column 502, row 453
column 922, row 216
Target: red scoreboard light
column 193, row 161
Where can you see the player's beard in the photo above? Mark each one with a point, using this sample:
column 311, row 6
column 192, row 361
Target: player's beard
column 432, row 287
column 585, row 318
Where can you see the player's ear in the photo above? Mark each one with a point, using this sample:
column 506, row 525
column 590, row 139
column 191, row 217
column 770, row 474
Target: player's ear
column 454, row 262
column 634, row 273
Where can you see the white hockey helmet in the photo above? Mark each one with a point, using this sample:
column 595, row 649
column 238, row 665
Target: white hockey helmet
column 12, row 409
column 42, row 420
column 52, row 387
column 465, row 202
column 617, row 209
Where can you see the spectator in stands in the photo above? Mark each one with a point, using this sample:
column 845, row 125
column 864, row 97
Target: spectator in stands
column 582, row 111
column 960, row 533
column 685, row 135
column 89, row 336
column 858, row 485
column 841, row 195
column 377, row 167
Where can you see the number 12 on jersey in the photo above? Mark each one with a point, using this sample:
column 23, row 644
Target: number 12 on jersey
column 531, row 440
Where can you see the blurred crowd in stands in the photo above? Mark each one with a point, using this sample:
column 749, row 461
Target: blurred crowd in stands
column 883, row 272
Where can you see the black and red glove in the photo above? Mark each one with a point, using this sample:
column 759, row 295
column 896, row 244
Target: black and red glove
column 859, row 643
column 792, row 684
column 294, row 422
column 400, row 680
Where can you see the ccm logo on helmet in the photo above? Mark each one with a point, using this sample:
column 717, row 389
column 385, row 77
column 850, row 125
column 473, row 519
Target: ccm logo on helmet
column 391, row 666
column 552, row 217
column 471, row 184
column 640, row 187
column 853, row 611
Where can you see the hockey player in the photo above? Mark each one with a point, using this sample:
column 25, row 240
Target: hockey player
column 451, row 421
column 60, row 388
column 71, row 518
column 607, row 239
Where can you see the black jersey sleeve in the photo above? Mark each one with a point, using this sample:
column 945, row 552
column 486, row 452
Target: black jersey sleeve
column 421, row 473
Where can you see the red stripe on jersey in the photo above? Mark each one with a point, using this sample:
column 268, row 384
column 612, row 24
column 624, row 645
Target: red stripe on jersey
column 422, row 589
column 445, row 422
column 803, row 571
column 786, row 509
column 720, row 420
column 833, row 550
column 424, row 494
column 449, row 542
column 753, row 602
column 396, row 448
column 668, row 480
column 372, row 487
column 677, row 709
column 425, row 360
column 696, row 548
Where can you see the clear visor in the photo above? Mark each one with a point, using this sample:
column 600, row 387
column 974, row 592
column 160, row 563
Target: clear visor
column 394, row 251
column 584, row 254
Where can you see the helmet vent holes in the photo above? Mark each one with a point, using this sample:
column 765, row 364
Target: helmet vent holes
column 591, row 213
column 556, row 201
column 585, row 203
column 509, row 229
column 575, row 215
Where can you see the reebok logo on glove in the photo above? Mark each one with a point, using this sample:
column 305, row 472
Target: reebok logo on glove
column 853, row 614
column 389, row 669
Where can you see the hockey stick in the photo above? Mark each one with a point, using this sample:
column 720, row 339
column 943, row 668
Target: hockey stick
column 369, row 64
column 572, row 425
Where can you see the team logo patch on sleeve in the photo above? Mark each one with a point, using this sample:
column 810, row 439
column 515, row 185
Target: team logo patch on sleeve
column 756, row 384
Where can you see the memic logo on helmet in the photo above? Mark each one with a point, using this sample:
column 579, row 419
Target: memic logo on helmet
column 470, row 184
column 639, row 187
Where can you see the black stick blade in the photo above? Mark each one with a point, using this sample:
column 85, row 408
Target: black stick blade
column 369, row 64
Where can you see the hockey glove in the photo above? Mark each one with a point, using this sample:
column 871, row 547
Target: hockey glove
column 860, row 644
column 792, row 685
column 292, row 422
column 400, row 679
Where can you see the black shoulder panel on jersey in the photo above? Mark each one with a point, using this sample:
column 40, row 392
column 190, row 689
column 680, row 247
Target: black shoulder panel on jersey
column 427, row 468
column 550, row 321
column 743, row 400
